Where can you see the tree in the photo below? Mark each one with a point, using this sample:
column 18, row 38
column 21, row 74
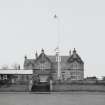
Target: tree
column 16, row 66
column 5, row 67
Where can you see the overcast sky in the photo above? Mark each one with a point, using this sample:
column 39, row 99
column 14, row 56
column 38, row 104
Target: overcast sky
column 28, row 25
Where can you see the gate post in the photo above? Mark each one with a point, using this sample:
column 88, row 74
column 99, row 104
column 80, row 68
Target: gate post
column 30, row 85
column 51, row 86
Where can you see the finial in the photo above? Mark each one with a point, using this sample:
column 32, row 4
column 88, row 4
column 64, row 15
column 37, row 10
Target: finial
column 55, row 16
column 25, row 57
column 74, row 51
column 42, row 50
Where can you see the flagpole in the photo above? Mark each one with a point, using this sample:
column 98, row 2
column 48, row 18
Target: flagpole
column 57, row 29
column 58, row 49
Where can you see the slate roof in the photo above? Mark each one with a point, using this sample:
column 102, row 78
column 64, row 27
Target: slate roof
column 53, row 58
column 65, row 60
column 43, row 57
column 75, row 57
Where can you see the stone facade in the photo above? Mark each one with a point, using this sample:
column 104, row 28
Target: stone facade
column 46, row 66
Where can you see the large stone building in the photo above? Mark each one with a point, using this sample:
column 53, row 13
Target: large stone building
column 46, row 66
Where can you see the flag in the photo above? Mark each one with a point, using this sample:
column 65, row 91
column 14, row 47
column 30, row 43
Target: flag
column 55, row 16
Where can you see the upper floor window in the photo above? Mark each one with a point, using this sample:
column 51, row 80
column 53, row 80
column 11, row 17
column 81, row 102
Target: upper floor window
column 43, row 66
column 75, row 65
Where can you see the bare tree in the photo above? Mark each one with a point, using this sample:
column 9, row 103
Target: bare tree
column 5, row 67
column 16, row 66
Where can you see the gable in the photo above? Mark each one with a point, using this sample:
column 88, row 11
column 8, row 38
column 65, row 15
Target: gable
column 73, row 58
column 43, row 62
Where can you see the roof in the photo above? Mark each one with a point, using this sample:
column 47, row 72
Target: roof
column 29, row 61
column 53, row 58
column 13, row 71
column 75, row 57
column 43, row 57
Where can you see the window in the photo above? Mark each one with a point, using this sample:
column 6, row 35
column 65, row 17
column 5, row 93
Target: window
column 4, row 77
column 0, row 77
column 75, row 65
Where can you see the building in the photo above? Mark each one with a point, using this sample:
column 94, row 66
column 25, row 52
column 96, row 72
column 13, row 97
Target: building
column 38, row 73
column 46, row 66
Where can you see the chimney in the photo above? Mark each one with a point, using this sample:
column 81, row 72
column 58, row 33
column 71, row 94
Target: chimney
column 70, row 52
column 36, row 55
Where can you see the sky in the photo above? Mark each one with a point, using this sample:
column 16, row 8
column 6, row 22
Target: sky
column 29, row 25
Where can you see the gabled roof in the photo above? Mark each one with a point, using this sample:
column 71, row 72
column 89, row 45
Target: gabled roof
column 52, row 59
column 75, row 57
column 42, row 57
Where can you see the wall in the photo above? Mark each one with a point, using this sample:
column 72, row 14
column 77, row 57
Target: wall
column 79, row 87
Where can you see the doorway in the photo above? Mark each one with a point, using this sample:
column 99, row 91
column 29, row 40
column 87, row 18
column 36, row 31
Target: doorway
column 41, row 87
